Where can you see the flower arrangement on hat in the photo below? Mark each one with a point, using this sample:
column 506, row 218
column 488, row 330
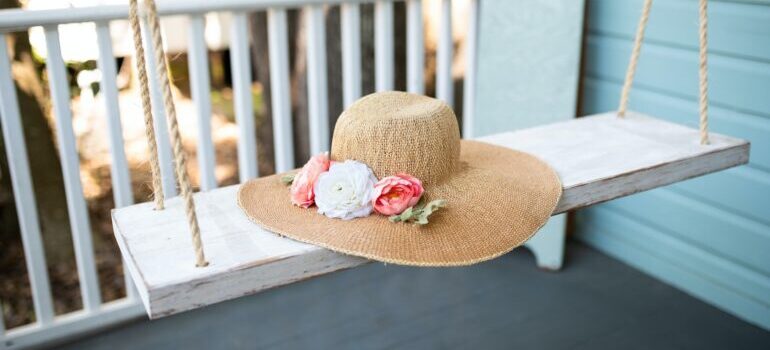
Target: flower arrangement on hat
column 348, row 189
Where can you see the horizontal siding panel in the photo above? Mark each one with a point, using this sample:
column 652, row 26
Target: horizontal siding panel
column 704, row 226
column 743, row 190
column 601, row 96
column 649, row 259
column 734, row 28
column 736, row 84
column 721, row 271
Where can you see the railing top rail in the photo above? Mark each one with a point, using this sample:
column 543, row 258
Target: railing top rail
column 20, row 19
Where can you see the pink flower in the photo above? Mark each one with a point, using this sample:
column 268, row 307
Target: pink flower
column 302, row 193
column 394, row 194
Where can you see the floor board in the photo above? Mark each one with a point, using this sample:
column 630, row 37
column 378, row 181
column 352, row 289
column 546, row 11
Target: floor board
column 595, row 302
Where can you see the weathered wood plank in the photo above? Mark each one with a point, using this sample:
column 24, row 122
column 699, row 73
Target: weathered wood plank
column 245, row 258
column 603, row 157
column 598, row 158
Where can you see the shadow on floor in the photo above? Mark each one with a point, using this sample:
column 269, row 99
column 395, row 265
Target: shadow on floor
column 594, row 303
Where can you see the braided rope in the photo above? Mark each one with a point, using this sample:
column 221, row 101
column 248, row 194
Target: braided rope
column 149, row 129
column 176, row 140
column 702, row 68
column 703, row 74
column 631, row 71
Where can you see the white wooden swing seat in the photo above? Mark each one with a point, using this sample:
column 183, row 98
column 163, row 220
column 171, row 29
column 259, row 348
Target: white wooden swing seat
column 598, row 158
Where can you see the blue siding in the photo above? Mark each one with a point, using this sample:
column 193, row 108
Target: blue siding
column 709, row 236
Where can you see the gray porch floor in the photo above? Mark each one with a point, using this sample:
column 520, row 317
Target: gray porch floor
column 595, row 302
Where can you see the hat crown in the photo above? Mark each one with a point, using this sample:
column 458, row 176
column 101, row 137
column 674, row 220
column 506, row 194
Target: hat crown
column 398, row 132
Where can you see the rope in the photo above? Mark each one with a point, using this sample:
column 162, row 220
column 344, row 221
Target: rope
column 703, row 74
column 631, row 71
column 149, row 129
column 702, row 69
column 176, row 140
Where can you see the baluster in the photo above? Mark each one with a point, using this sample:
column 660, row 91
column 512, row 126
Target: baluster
column 21, row 181
column 76, row 204
column 197, row 54
column 242, row 96
column 316, row 79
column 415, row 49
column 279, row 83
column 350, row 27
column 444, row 54
column 2, row 325
column 121, row 180
column 383, row 45
column 469, row 93
column 163, row 140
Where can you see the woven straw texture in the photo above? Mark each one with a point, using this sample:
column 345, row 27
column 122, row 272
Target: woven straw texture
column 395, row 132
column 497, row 197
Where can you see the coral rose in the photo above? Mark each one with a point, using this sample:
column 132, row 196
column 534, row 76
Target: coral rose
column 394, row 194
column 302, row 188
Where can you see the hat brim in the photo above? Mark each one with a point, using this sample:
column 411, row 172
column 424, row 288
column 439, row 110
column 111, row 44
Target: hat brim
column 495, row 202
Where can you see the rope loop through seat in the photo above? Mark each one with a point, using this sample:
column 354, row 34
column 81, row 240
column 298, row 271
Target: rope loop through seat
column 180, row 159
column 702, row 68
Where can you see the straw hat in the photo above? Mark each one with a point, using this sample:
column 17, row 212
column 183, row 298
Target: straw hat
column 496, row 198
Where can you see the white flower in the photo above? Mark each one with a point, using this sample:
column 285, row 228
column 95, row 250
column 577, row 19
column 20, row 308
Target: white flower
column 345, row 191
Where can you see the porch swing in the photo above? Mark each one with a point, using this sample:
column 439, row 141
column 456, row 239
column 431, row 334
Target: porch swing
column 598, row 158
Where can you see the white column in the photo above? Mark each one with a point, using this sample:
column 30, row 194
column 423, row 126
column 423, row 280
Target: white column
column 24, row 198
column 281, row 93
column 243, row 105
column 350, row 23
column 121, row 179
column 68, row 154
column 444, row 55
column 383, row 45
column 318, row 105
column 201, row 94
column 469, row 88
column 415, row 48
column 163, row 140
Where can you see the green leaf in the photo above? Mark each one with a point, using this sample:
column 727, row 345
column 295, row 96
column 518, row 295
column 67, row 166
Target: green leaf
column 421, row 203
column 433, row 206
column 419, row 214
column 288, row 179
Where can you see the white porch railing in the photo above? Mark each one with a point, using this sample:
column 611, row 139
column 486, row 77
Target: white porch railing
column 95, row 314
